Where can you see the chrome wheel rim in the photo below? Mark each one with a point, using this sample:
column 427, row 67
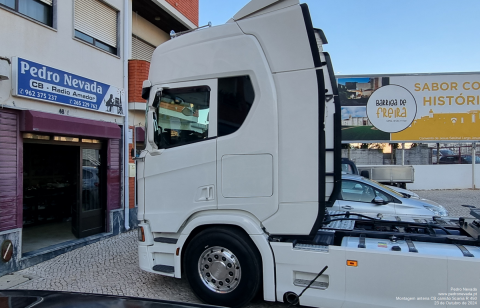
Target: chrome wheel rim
column 219, row 269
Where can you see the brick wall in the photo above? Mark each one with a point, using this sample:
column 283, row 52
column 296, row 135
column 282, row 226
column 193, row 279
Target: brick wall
column 188, row 8
column 137, row 73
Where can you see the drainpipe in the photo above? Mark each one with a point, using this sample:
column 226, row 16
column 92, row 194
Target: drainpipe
column 126, row 50
column 474, row 156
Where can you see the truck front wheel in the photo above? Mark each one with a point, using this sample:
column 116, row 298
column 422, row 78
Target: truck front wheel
column 223, row 267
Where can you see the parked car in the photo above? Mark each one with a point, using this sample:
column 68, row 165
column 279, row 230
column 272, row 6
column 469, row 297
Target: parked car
column 405, row 192
column 454, row 159
column 361, row 195
column 443, row 152
column 468, row 159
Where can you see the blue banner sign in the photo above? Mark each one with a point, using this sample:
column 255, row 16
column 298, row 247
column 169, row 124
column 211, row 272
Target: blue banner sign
column 41, row 82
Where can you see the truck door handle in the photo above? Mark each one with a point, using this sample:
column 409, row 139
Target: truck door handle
column 205, row 193
column 210, row 193
column 347, row 207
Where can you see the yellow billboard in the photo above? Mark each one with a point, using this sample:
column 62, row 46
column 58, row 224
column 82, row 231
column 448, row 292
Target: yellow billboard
column 447, row 106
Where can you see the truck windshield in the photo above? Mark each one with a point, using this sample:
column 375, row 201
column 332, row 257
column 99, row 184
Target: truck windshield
column 182, row 116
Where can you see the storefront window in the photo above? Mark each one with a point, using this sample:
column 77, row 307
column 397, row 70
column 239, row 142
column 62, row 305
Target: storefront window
column 91, row 176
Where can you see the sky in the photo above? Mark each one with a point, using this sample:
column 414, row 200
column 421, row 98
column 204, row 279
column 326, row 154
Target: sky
column 386, row 36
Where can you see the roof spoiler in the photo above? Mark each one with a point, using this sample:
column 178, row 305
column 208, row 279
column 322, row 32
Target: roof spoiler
column 256, row 6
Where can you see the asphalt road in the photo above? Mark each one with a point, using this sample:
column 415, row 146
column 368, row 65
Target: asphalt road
column 111, row 266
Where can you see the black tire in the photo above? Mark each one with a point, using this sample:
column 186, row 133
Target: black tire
column 221, row 242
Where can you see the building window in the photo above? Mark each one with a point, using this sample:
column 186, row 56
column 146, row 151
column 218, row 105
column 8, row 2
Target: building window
column 40, row 10
column 141, row 50
column 97, row 23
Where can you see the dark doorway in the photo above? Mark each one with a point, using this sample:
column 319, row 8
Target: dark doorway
column 63, row 193
column 50, row 184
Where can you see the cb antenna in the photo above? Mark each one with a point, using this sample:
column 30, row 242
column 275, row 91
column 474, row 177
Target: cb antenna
column 174, row 34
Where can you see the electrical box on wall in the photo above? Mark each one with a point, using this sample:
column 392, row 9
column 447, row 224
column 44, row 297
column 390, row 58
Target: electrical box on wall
column 4, row 69
column 132, row 170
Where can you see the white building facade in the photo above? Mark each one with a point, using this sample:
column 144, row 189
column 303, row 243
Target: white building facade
column 64, row 115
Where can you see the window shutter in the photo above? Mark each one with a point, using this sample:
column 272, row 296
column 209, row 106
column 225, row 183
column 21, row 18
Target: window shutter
column 141, row 50
column 97, row 20
column 9, row 164
column 49, row 2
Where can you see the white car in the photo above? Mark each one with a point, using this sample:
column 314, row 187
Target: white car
column 361, row 195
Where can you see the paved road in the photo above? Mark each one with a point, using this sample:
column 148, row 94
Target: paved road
column 453, row 199
column 111, row 266
column 106, row 267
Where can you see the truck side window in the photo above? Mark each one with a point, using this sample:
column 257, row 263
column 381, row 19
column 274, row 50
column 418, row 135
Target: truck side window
column 235, row 98
column 182, row 116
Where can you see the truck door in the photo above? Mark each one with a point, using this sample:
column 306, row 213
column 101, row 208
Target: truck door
column 246, row 146
column 181, row 178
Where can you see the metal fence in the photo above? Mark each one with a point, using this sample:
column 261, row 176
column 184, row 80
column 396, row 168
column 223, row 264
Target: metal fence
column 421, row 154
column 456, row 154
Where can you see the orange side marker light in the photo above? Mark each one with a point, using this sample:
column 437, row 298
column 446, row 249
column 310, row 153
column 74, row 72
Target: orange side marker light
column 352, row 263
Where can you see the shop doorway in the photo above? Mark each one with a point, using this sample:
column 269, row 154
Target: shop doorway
column 63, row 193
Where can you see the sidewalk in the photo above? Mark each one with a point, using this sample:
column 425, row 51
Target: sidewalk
column 106, row 267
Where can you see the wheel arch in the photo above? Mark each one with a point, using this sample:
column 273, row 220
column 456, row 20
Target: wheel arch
column 241, row 222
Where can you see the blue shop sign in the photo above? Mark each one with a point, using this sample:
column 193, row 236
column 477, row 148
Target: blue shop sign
column 44, row 83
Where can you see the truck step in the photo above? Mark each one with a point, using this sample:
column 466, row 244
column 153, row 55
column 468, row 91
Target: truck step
column 166, row 240
column 341, row 224
column 164, row 268
column 311, row 247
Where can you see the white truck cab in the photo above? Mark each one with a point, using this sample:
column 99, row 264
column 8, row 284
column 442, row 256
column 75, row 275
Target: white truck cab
column 242, row 161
